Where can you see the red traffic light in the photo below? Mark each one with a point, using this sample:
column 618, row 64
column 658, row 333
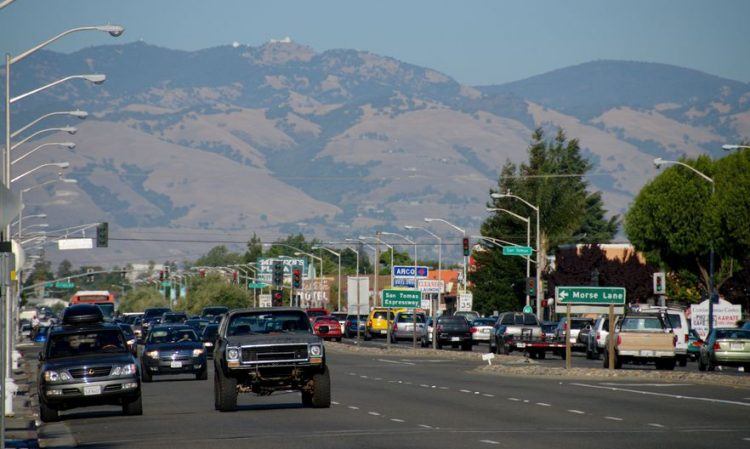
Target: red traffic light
column 467, row 249
column 202, row 273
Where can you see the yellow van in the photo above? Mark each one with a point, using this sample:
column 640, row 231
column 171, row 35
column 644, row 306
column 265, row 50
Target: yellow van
column 377, row 325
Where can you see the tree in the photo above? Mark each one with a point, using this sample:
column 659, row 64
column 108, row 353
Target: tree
column 213, row 290
column 254, row 249
column 64, row 269
column 218, row 256
column 552, row 179
column 676, row 218
column 140, row 298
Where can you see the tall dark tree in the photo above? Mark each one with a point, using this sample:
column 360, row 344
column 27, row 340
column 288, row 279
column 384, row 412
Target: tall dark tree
column 254, row 249
column 64, row 269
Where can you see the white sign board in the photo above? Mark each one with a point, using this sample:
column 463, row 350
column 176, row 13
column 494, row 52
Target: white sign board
column 264, row 300
column 364, row 295
column 64, row 244
column 465, row 301
column 431, row 285
column 726, row 315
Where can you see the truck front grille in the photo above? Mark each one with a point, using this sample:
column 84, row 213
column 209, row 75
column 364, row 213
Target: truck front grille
column 99, row 371
column 260, row 354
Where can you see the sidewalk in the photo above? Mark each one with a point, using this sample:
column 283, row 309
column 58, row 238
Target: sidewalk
column 21, row 429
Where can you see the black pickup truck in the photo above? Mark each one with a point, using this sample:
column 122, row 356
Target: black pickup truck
column 265, row 350
column 454, row 330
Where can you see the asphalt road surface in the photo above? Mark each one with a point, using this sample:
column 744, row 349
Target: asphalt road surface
column 393, row 402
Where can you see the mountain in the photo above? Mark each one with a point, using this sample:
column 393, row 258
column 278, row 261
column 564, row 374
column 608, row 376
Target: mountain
column 218, row 143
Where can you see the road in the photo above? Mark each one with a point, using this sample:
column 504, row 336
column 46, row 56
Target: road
column 392, row 402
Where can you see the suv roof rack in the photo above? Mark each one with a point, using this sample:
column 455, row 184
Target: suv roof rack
column 82, row 314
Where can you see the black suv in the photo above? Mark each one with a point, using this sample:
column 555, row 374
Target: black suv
column 269, row 349
column 86, row 362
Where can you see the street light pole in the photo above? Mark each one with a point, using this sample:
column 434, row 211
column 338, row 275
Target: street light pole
column 339, row 274
column 440, row 278
column 658, row 162
column 463, row 233
column 539, row 255
column 528, row 238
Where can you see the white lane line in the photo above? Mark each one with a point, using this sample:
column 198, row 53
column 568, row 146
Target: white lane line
column 464, row 391
column 577, row 412
column 378, row 378
column 353, row 407
column 397, row 362
column 626, row 384
column 397, row 420
column 746, row 439
column 489, row 442
column 363, row 377
column 675, row 396
column 443, row 388
column 334, row 403
column 653, row 424
column 424, row 385
column 544, row 404
column 425, row 426
column 525, row 401
column 613, row 418
column 373, row 413
column 514, row 399
column 488, row 395
column 352, row 374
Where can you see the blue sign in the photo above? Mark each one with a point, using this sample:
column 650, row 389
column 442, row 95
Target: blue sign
column 403, row 282
column 408, row 271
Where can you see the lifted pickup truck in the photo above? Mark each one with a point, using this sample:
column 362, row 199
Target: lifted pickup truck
column 643, row 338
column 266, row 350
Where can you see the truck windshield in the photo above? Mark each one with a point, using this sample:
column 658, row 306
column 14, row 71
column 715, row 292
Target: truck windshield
column 86, row 343
column 526, row 319
column 409, row 318
column 108, row 310
column 268, row 322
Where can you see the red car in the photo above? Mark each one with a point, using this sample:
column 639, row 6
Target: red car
column 327, row 328
column 313, row 313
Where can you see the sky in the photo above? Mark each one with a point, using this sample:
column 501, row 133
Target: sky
column 473, row 41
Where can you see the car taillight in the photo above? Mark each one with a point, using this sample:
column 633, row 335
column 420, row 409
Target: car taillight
column 674, row 341
column 369, row 323
column 473, row 330
column 395, row 326
column 440, row 328
column 565, row 326
column 598, row 336
column 717, row 346
column 619, row 340
column 687, row 338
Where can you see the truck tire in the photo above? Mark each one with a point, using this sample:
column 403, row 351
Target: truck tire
column 670, row 364
column 439, row 345
column 683, row 361
column 504, row 349
column 541, row 355
column 47, row 413
column 466, row 346
column 321, row 395
column 368, row 337
column 701, row 365
column 133, row 408
column 225, row 391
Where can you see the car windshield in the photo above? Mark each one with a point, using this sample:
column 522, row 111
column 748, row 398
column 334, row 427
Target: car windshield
column 154, row 313
column 641, row 323
column 108, row 310
column 732, row 334
column 209, row 333
column 484, row 322
column 526, row 319
column 86, row 343
column 127, row 330
column 173, row 319
column 674, row 320
column 409, row 318
column 380, row 315
column 268, row 322
column 172, row 336
column 316, row 313
column 579, row 324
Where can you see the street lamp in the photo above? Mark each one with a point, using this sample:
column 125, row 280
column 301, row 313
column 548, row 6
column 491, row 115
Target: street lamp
column 539, row 262
column 339, row 256
column 413, row 242
column 51, row 164
column 658, row 162
column 96, row 78
column 377, row 262
column 735, row 147
column 68, row 129
column 68, row 145
column 440, row 277
column 77, row 113
column 463, row 233
column 359, row 306
column 527, row 220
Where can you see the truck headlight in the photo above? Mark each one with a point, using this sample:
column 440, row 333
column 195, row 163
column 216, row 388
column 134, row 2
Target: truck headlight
column 197, row 352
column 316, row 350
column 51, row 376
column 233, row 354
column 153, row 354
column 124, row 370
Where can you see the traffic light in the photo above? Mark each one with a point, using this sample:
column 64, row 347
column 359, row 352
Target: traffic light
column 297, row 278
column 90, row 277
column 277, row 297
column 102, row 235
column 278, row 273
column 531, row 286
column 202, row 273
column 467, row 249
column 659, row 284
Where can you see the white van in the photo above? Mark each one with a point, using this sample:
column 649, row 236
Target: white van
column 675, row 317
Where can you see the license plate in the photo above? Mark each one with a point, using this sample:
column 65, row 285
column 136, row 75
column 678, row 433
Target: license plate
column 647, row 353
column 384, row 332
column 92, row 390
column 521, row 345
column 736, row 346
column 175, row 364
column 455, row 338
column 485, row 331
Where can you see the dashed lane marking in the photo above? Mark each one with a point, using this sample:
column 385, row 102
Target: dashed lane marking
column 397, row 362
column 488, row 395
column 464, row 391
column 514, row 399
column 626, row 384
column 334, row 403
column 653, row 424
column 489, row 442
column 397, row 420
column 613, row 418
column 674, row 396
column 544, row 404
column 577, row 412
column 425, row 426
column 353, row 407
column 373, row 413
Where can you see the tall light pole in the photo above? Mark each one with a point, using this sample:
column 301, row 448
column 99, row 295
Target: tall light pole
column 440, row 277
column 539, row 255
column 735, row 147
column 658, row 162
column 77, row 114
column 340, row 286
column 527, row 220
column 359, row 306
column 463, row 233
column 51, row 164
column 413, row 242
column 68, row 145
column 377, row 253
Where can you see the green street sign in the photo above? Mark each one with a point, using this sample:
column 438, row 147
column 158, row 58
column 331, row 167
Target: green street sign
column 257, row 285
column 49, row 285
column 62, row 284
column 409, row 299
column 516, row 250
column 166, row 284
column 590, row 295
column 528, row 309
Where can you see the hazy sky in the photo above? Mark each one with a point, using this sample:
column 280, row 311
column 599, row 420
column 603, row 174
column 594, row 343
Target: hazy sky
column 476, row 42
